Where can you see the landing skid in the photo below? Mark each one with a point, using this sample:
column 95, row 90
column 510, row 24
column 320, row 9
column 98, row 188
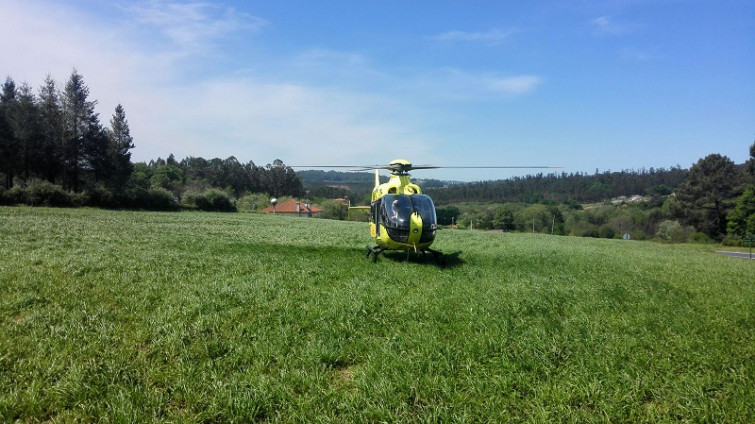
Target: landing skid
column 439, row 257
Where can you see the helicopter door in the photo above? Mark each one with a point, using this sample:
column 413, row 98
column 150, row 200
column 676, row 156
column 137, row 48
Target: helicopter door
column 375, row 215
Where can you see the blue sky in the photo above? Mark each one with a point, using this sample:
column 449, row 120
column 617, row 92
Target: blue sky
column 587, row 85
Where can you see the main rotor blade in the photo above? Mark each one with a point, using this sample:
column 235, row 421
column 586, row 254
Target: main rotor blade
column 412, row 167
column 499, row 167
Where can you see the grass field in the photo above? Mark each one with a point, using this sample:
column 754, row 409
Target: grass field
column 117, row 316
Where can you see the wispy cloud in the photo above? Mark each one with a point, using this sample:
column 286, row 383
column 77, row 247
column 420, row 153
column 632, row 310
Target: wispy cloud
column 193, row 24
column 465, row 85
column 606, row 25
column 518, row 85
column 493, row 36
column 637, row 55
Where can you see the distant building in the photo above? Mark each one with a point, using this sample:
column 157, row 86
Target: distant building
column 295, row 208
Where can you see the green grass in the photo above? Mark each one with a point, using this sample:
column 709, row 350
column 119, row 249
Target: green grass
column 198, row 317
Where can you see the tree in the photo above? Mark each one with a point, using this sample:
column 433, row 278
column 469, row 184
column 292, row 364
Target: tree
column 535, row 218
column 85, row 144
column 168, row 177
column 53, row 131
column 706, row 198
column 28, row 132
column 742, row 218
column 504, row 219
column 447, row 215
column 334, row 209
column 8, row 129
column 120, row 143
column 282, row 180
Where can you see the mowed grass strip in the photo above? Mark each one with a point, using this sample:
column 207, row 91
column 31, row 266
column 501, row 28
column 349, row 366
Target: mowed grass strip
column 120, row 316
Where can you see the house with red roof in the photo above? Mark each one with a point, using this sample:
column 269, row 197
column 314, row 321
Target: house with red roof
column 295, row 208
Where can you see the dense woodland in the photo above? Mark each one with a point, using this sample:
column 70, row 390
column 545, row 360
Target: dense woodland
column 54, row 151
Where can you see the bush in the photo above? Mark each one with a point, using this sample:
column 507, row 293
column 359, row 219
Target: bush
column 43, row 193
column 212, row 200
column 155, row 199
column 606, row 231
column 160, row 199
column 14, row 196
column 100, row 197
column 674, row 232
column 40, row 193
column 698, row 237
column 733, row 241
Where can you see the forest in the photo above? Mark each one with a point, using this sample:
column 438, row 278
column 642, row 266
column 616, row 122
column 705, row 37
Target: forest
column 54, row 151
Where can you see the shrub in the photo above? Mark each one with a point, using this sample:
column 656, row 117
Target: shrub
column 155, row 199
column 213, row 200
column 698, row 237
column 43, row 193
column 160, row 199
column 15, row 195
column 100, row 197
column 674, row 232
column 606, row 231
column 39, row 193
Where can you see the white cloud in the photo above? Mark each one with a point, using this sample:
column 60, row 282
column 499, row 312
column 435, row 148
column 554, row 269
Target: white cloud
column 493, row 36
column 295, row 110
column 516, row 85
column 464, row 85
column 264, row 121
column 194, row 24
column 606, row 25
column 246, row 114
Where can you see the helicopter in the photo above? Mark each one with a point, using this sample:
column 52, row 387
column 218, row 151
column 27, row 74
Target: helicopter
column 401, row 217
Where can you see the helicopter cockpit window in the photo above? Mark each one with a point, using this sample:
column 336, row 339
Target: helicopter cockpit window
column 396, row 212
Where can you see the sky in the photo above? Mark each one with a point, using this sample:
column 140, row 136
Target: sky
column 586, row 85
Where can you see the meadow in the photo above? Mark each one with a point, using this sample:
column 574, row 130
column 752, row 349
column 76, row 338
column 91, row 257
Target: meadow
column 120, row 316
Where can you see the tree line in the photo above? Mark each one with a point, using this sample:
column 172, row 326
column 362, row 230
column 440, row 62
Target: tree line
column 56, row 136
column 713, row 200
column 55, row 151
column 563, row 187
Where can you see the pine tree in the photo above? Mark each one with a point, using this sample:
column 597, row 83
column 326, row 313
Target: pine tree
column 29, row 132
column 85, row 142
column 53, row 131
column 9, row 150
column 121, row 143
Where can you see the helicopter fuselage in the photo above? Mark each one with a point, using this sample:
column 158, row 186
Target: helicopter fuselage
column 402, row 218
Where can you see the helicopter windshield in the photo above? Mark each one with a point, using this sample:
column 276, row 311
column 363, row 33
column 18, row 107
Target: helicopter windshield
column 396, row 211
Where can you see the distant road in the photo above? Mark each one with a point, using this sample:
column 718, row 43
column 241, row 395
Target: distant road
column 743, row 255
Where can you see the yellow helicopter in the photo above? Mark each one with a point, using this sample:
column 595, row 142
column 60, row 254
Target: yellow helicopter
column 401, row 217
